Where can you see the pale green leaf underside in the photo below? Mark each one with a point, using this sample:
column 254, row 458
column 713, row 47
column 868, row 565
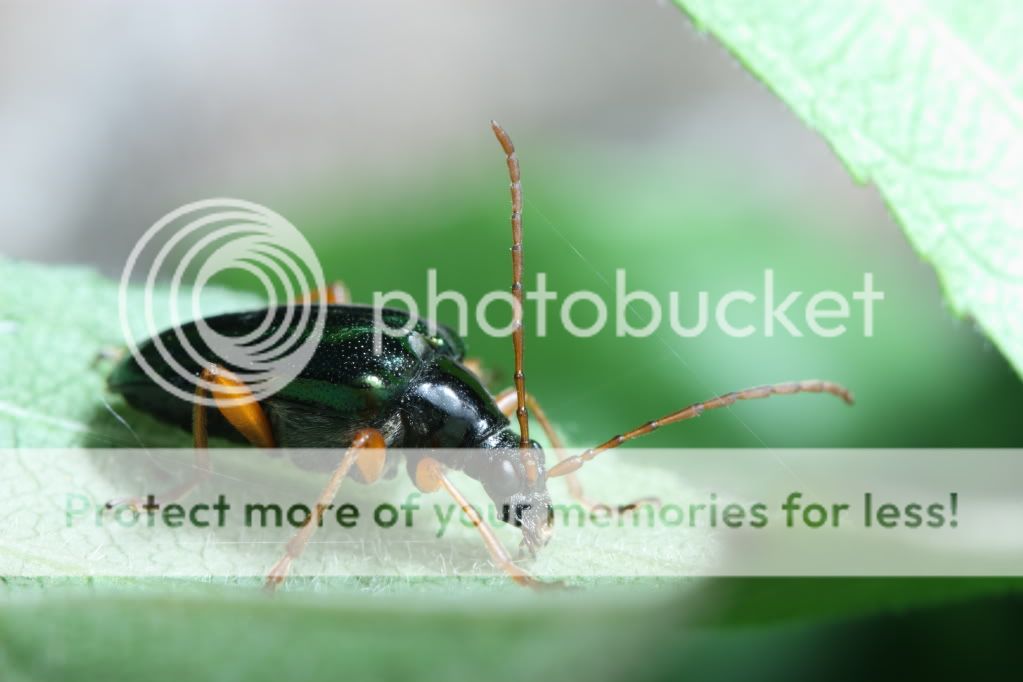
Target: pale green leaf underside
column 54, row 323
column 924, row 99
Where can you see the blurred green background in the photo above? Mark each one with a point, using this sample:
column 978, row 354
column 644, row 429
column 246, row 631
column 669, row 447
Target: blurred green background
column 925, row 379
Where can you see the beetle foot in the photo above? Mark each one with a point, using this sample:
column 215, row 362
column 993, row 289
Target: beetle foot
column 108, row 354
column 136, row 504
column 277, row 574
column 546, row 585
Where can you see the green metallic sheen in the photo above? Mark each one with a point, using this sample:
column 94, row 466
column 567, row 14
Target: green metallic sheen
column 344, row 375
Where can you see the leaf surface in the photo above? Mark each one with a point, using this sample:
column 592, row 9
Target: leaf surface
column 922, row 99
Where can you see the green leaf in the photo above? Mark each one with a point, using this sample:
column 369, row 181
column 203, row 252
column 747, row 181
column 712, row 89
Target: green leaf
column 221, row 637
column 589, row 635
column 57, row 323
column 54, row 322
column 924, row 99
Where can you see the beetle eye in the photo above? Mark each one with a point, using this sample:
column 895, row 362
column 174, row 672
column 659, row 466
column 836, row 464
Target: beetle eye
column 504, row 480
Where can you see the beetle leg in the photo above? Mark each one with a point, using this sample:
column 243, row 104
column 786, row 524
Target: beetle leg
column 249, row 419
column 335, row 293
column 506, row 401
column 201, row 470
column 574, row 463
column 482, row 372
column 368, row 444
column 430, row 477
column 108, row 354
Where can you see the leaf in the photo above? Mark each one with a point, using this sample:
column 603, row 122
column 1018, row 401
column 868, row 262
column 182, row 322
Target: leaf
column 54, row 321
column 924, row 99
column 589, row 635
column 57, row 323
column 229, row 638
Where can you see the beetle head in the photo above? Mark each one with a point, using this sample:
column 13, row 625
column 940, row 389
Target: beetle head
column 518, row 488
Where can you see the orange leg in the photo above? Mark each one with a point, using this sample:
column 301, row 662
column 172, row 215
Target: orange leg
column 335, row 293
column 367, row 452
column 249, row 419
column 485, row 374
column 430, row 477
column 506, row 401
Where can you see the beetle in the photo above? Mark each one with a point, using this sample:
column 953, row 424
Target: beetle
column 418, row 393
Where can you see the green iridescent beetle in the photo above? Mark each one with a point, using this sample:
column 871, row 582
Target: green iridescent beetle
column 419, row 393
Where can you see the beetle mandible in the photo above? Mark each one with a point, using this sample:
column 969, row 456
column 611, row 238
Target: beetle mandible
column 418, row 394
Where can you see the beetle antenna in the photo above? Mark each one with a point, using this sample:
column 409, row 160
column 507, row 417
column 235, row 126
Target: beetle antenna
column 570, row 464
column 516, row 253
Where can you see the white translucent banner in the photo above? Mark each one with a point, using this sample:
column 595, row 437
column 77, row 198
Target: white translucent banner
column 719, row 512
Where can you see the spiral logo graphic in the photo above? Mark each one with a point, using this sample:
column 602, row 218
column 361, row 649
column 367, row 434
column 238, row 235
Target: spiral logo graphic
column 213, row 236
